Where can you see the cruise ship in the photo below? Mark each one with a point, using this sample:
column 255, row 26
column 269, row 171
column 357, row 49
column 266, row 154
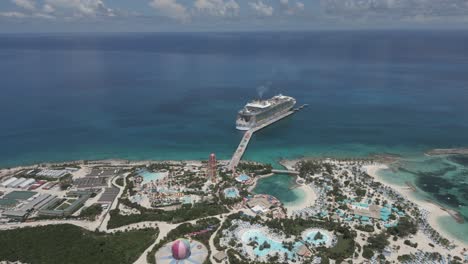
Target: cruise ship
column 259, row 112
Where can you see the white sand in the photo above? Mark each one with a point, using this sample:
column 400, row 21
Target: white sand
column 435, row 212
column 307, row 201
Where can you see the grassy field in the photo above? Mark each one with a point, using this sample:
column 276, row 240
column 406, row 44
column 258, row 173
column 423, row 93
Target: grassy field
column 71, row 244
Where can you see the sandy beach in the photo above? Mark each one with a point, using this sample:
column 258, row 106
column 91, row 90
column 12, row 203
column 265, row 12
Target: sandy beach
column 307, row 201
column 435, row 211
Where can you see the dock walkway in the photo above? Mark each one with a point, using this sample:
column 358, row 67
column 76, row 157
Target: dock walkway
column 246, row 139
column 286, row 172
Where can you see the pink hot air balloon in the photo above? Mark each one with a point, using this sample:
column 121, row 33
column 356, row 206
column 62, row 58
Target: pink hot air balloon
column 181, row 249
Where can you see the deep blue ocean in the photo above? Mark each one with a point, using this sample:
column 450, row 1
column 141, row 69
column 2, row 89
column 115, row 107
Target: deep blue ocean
column 176, row 95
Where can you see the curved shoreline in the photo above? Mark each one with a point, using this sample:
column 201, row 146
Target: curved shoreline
column 307, row 201
column 254, row 184
column 435, row 211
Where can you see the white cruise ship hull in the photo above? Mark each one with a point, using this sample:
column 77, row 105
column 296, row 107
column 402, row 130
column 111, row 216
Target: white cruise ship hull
column 256, row 113
column 242, row 128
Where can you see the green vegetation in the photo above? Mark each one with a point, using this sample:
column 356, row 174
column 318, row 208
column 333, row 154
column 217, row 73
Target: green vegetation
column 309, row 168
column 408, row 243
column 120, row 182
column 251, row 167
column 91, row 212
column 159, row 166
column 71, row 244
column 63, row 206
column 405, row 227
column 404, row 258
column 365, row 228
column 375, row 244
column 344, row 248
column 185, row 213
column 318, row 236
column 66, row 181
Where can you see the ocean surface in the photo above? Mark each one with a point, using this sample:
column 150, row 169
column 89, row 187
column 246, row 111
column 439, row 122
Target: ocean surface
column 176, row 95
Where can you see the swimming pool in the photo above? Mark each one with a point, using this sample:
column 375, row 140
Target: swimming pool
column 231, row 192
column 151, row 176
column 260, row 237
column 309, row 236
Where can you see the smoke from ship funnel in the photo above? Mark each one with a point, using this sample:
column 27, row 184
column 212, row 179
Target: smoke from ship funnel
column 261, row 90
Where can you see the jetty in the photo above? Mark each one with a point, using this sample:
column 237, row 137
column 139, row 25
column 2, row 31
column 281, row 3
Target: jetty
column 286, row 172
column 248, row 135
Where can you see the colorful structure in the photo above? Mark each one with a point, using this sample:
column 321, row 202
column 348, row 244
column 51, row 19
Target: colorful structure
column 181, row 249
column 212, row 167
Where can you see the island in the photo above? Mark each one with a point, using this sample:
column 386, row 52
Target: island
column 203, row 211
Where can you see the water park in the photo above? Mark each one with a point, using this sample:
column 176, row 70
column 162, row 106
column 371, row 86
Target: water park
column 152, row 176
column 231, row 192
column 318, row 237
column 258, row 242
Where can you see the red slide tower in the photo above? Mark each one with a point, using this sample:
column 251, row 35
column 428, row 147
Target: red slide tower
column 212, row 167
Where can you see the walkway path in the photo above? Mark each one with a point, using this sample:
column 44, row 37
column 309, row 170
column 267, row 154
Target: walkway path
column 246, row 139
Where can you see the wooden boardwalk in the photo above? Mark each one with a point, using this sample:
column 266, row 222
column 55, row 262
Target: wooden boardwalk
column 286, row 172
column 236, row 158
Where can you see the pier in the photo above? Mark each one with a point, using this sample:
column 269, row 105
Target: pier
column 248, row 135
column 285, row 172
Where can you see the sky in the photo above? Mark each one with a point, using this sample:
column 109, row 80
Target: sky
column 17, row 16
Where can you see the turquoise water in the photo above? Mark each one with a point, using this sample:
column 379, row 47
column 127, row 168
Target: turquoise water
column 151, row 176
column 281, row 187
column 231, row 193
column 309, row 237
column 368, row 92
column 260, row 238
column 442, row 179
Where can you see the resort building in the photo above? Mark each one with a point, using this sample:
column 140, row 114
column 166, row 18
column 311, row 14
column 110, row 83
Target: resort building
column 55, row 174
column 262, row 203
column 220, row 256
column 60, row 208
column 366, row 210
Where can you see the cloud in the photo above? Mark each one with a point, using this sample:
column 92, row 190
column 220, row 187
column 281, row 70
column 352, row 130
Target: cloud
column 291, row 8
column 218, row 7
column 12, row 14
column 43, row 16
column 78, row 8
column 171, row 8
column 261, row 8
column 48, row 9
column 26, row 4
column 395, row 8
column 300, row 5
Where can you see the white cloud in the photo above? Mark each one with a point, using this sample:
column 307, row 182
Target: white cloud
column 262, row 8
column 218, row 7
column 290, row 7
column 300, row 6
column 171, row 9
column 79, row 8
column 26, row 4
column 12, row 14
column 43, row 16
column 396, row 9
column 48, row 8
